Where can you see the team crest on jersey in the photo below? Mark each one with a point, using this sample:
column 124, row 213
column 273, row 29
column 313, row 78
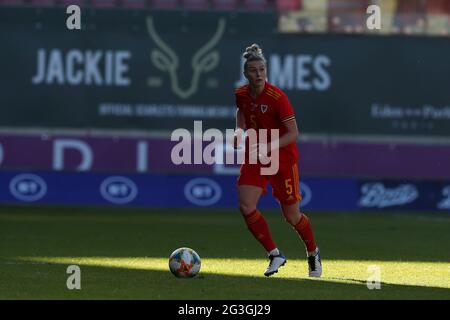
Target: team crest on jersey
column 264, row 108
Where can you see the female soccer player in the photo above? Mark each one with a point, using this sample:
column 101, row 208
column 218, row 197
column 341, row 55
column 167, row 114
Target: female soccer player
column 261, row 105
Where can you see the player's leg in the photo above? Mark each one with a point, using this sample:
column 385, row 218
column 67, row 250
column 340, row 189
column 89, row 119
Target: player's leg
column 248, row 199
column 250, row 187
column 286, row 189
column 301, row 224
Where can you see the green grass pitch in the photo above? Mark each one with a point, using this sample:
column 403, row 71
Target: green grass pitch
column 123, row 254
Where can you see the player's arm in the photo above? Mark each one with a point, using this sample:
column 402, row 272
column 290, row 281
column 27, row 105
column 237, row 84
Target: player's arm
column 288, row 137
column 286, row 115
column 240, row 127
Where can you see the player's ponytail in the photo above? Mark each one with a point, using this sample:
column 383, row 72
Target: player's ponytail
column 253, row 53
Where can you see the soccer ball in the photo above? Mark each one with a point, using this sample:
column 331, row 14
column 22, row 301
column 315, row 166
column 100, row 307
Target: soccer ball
column 184, row 263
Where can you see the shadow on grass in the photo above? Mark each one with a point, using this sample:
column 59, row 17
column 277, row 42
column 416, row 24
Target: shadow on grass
column 48, row 281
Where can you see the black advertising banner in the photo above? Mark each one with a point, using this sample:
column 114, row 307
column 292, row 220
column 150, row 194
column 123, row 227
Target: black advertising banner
column 160, row 70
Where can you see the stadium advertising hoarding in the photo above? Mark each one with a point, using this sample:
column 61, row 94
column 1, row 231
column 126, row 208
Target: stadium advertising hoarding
column 144, row 190
column 206, row 191
column 89, row 153
column 154, row 70
column 407, row 195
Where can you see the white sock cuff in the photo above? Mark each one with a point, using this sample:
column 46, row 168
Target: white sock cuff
column 314, row 252
column 274, row 252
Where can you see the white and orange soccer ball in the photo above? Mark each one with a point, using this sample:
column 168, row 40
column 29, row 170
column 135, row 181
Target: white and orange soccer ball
column 184, row 263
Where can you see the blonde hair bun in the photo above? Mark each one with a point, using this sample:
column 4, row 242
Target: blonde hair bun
column 253, row 52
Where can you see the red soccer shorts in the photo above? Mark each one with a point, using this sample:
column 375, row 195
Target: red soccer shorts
column 285, row 184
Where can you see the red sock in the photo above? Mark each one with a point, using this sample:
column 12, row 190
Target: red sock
column 304, row 230
column 260, row 230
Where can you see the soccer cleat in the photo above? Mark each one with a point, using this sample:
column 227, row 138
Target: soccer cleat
column 275, row 263
column 315, row 265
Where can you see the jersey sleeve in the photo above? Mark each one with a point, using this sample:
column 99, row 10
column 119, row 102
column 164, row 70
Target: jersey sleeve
column 239, row 94
column 286, row 111
column 237, row 102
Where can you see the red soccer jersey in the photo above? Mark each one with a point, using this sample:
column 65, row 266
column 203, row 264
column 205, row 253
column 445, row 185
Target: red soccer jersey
column 270, row 110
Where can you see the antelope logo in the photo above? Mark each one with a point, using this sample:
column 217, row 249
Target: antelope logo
column 203, row 61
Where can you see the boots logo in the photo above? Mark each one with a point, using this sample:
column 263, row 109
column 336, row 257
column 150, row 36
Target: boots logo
column 376, row 195
column 445, row 202
column 204, row 60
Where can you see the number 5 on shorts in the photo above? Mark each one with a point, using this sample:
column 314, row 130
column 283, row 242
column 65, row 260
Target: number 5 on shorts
column 288, row 184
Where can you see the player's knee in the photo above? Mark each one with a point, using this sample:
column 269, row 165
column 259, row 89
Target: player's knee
column 293, row 218
column 246, row 208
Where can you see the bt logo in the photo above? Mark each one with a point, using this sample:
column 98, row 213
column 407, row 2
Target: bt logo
column 202, row 191
column 306, row 193
column 118, row 190
column 28, row 187
column 444, row 204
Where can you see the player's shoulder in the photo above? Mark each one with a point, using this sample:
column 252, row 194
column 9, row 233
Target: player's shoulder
column 242, row 90
column 274, row 92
